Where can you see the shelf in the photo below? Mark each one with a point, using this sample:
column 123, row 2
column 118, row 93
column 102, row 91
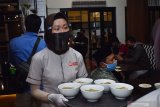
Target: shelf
column 8, row 1
column 16, row 20
column 6, row 4
column 8, row 25
column 10, row 12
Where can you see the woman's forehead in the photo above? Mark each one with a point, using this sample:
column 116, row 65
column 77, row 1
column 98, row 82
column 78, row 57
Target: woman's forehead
column 59, row 22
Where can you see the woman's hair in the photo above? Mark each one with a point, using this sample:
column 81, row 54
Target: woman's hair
column 32, row 23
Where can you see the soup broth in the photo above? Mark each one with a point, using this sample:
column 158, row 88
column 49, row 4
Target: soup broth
column 92, row 90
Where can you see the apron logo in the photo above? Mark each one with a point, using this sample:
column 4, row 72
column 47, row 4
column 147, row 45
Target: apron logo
column 72, row 63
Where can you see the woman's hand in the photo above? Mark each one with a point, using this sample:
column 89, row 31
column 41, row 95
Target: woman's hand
column 57, row 99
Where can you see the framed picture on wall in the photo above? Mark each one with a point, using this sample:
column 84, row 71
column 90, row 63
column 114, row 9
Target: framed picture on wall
column 42, row 24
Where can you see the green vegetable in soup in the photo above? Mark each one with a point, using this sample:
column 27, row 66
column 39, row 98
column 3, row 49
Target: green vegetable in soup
column 67, row 87
column 105, row 83
column 80, row 82
column 92, row 90
column 121, row 88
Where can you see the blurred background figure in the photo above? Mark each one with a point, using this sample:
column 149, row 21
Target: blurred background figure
column 156, row 40
column 136, row 52
column 136, row 59
column 114, row 42
column 117, row 47
column 20, row 50
column 94, row 40
column 81, row 43
column 123, row 50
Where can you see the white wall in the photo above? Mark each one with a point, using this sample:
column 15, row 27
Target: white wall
column 120, row 17
column 54, row 5
column 41, row 6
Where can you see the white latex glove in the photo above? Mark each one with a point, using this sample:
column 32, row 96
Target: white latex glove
column 58, row 99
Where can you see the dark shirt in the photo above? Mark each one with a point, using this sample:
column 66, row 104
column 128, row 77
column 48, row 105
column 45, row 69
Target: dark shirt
column 137, row 58
column 102, row 73
column 21, row 47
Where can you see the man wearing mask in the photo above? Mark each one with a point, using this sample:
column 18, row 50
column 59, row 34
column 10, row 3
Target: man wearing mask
column 20, row 51
column 106, row 65
column 56, row 64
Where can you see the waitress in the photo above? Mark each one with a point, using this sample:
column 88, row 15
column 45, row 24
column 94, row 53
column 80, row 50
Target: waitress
column 56, row 64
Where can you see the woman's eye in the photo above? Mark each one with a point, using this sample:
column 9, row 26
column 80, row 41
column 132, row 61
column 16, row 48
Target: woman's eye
column 66, row 27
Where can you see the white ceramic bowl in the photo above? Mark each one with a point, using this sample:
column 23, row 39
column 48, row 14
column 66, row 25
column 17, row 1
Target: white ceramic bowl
column 92, row 92
column 121, row 90
column 157, row 85
column 144, row 85
column 84, row 81
column 104, row 82
column 69, row 90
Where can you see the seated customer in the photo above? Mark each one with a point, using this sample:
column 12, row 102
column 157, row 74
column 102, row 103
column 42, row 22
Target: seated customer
column 136, row 58
column 102, row 58
column 123, row 50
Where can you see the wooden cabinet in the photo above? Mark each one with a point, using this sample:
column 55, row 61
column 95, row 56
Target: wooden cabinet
column 137, row 20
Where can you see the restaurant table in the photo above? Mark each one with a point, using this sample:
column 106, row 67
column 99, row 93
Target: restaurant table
column 107, row 100
column 151, row 77
column 128, row 70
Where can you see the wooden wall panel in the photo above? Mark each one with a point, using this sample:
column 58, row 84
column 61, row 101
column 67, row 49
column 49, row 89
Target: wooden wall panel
column 137, row 19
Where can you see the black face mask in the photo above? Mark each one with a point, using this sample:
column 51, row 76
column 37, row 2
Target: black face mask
column 58, row 42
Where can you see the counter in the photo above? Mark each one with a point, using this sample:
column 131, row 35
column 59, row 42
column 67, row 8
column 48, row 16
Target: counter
column 7, row 100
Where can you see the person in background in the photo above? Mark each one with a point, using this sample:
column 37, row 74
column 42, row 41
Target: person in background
column 136, row 58
column 136, row 52
column 114, row 43
column 20, row 50
column 117, row 47
column 81, row 43
column 102, row 57
column 156, row 40
column 94, row 40
column 123, row 50
column 56, row 64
